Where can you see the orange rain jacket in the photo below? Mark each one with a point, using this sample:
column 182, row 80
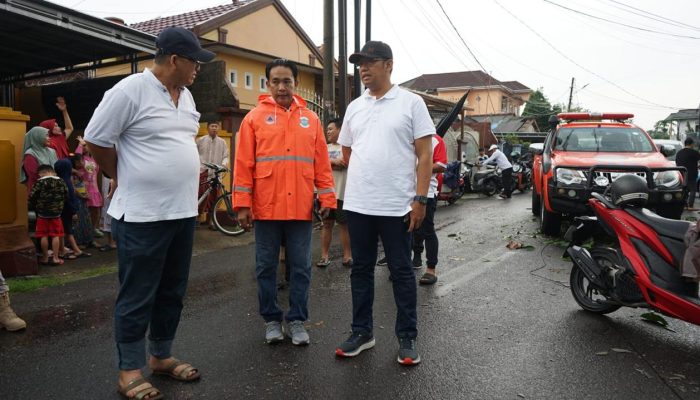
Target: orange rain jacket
column 281, row 156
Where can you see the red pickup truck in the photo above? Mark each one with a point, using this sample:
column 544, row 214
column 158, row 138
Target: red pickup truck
column 562, row 174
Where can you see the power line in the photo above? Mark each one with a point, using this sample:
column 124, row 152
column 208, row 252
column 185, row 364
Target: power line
column 656, row 15
column 408, row 53
column 576, row 63
column 620, row 23
column 613, row 34
column 488, row 96
column 460, row 37
column 647, row 16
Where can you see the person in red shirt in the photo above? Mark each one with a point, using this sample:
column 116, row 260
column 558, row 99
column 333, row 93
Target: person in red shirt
column 58, row 139
column 426, row 232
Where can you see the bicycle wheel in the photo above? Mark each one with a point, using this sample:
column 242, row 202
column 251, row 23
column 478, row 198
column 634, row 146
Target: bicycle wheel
column 224, row 218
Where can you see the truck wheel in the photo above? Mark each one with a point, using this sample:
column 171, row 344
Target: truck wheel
column 550, row 223
column 535, row 203
column 672, row 211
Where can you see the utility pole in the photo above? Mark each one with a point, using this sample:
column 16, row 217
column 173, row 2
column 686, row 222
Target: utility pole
column 343, row 56
column 328, row 75
column 368, row 21
column 357, row 90
column 571, row 95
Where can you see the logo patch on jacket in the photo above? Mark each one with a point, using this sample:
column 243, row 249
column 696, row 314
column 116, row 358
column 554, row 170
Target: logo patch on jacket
column 270, row 120
column 304, row 122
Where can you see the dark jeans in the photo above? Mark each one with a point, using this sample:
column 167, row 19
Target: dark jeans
column 691, row 188
column 154, row 264
column 426, row 233
column 364, row 232
column 507, row 178
column 268, row 239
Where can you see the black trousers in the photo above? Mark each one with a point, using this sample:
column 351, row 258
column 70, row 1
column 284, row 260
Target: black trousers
column 426, row 233
column 507, row 178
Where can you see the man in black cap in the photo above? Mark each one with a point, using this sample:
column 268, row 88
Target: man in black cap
column 384, row 131
column 142, row 135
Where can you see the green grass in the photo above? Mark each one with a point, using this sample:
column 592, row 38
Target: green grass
column 28, row 284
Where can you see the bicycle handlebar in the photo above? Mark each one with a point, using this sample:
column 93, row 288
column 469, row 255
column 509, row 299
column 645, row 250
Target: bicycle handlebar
column 217, row 168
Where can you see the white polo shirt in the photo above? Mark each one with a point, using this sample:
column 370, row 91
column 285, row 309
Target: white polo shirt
column 500, row 159
column 158, row 161
column 382, row 169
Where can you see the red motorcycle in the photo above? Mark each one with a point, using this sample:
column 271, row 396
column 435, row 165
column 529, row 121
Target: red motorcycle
column 643, row 268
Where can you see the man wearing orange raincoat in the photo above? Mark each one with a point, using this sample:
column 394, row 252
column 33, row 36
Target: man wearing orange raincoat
column 281, row 157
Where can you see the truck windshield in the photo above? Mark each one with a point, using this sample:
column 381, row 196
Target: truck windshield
column 603, row 139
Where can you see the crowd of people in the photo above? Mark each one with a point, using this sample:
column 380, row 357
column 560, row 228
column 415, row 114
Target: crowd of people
column 65, row 192
column 375, row 187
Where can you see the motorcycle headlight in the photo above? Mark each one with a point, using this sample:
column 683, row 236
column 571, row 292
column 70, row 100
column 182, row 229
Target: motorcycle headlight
column 516, row 168
column 570, row 176
column 667, row 179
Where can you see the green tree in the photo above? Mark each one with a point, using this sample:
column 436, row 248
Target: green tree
column 660, row 130
column 539, row 108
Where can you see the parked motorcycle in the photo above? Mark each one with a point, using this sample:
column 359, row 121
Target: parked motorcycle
column 522, row 173
column 452, row 178
column 485, row 180
column 643, row 268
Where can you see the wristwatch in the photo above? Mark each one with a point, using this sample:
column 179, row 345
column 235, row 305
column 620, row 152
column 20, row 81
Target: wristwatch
column 421, row 199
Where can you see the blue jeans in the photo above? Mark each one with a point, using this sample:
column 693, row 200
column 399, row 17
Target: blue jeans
column 364, row 233
column 426, row 234
column 154, row 265
column 268, row 239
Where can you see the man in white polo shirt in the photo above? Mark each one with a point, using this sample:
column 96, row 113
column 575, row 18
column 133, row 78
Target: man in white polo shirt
column 142, row 135
column 496, row 156
column 384, row 131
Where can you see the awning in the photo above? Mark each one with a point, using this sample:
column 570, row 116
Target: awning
column 38, row 37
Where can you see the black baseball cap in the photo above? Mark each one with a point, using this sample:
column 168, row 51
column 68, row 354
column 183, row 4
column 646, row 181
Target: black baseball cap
column 182, row 42
column 372, row 50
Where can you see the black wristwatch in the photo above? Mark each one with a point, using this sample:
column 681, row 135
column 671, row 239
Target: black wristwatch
column 421, row 199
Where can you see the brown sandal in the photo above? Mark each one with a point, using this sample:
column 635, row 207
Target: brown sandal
column 184, row 375
column 428, row 279
column 151, row 392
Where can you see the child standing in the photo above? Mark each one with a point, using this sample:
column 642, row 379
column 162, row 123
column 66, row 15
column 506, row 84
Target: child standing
column 47, row 198
column 90, row 173
column 82, row 226
column 64, row 170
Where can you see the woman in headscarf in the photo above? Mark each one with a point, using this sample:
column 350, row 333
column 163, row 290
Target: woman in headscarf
column 36, row 153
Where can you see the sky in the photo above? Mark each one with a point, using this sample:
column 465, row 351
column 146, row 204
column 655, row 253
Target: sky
column 639, row 56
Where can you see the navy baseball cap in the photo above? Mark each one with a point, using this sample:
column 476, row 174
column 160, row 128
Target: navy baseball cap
column 182, row 42
column 372, row 50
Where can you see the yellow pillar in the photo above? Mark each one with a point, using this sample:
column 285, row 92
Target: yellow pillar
column 17, row 251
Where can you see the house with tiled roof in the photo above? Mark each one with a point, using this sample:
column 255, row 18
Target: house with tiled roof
column 487, row 95
column 245, row 35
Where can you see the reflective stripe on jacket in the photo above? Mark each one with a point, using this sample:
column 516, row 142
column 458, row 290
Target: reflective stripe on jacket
column 280, row 158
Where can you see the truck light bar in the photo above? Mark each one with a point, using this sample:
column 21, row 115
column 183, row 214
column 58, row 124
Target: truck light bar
column 594, row 116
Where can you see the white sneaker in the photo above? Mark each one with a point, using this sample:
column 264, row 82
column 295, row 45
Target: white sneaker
column 273, row 332
column 296, row 331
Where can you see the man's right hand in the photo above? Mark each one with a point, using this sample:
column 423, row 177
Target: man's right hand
column 245, row 218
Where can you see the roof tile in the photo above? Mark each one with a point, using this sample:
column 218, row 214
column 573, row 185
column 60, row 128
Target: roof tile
column 459, row 79
column 188, row 20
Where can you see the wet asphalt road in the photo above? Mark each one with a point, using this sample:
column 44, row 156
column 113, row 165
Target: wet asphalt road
column 500, row 324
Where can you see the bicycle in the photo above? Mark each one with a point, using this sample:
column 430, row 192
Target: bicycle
column 226, row 221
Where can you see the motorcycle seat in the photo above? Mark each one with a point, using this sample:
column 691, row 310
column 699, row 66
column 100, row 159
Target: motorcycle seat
column 667, row 227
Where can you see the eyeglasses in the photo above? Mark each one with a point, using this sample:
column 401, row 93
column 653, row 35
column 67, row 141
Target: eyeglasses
column 197, row 64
